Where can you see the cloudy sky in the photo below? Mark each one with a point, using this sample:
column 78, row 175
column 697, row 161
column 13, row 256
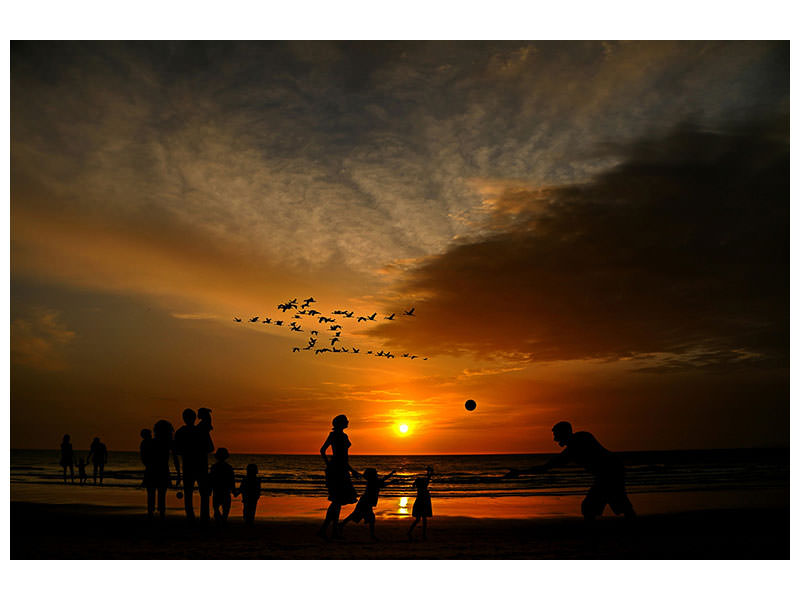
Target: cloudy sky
column 589, row 231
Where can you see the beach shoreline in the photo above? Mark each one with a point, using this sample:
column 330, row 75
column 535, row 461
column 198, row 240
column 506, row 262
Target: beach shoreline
column 75, row 531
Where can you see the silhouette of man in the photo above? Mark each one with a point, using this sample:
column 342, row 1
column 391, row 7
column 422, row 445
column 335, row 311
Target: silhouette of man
column 582, row 448
column 191, row 446
column 98, row 455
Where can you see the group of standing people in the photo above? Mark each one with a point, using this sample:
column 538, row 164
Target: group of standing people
column 97, row 457
column 189, row 448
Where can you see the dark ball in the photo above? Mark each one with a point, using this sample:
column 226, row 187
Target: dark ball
column 179, row 495
column 470, row 405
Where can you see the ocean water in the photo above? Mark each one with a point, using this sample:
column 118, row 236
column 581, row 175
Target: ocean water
column 463, row 485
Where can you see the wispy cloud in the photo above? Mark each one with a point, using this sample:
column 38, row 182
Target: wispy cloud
column 37, row 340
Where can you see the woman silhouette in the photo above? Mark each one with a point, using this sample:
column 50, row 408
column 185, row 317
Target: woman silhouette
column 337, row 475
column 67, row 458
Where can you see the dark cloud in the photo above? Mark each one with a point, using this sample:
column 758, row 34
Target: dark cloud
column 683, row 248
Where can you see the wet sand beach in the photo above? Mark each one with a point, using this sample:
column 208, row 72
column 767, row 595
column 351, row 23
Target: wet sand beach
column 51, row 531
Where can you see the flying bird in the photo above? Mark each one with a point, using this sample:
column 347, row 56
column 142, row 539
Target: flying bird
column 278, row 323
column 254, row 319
column 314, row 332
column 348, row 315
column 334, row 340
column 372, row 316
column 296, row 328
column 390, row 317
column 359, row 319
column 237, row 319
column 410, row 313
column 295, row 349
column 335, row 327
column 355, row 350
column 313, row 312
column 267, row 320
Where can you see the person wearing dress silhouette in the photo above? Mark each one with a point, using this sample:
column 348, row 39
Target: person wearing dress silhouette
column 191, row 444
column 368, row 500
column 250, row 489
column 155, row 451
column 67, row 459
column 422, row 505
column 223, row 483
column 98, row 456
column 337, row 475
column 582, row 448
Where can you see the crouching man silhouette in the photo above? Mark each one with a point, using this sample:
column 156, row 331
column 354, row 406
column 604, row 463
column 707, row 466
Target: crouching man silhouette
column 582, row 448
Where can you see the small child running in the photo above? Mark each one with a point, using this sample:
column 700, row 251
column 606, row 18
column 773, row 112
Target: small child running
column 422, row 505
column 223, row 483
column 250, row 489
column 368, row 499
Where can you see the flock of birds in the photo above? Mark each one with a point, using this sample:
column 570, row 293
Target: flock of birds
column 305, row 311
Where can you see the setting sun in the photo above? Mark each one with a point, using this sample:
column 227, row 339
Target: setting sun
column 402, row 428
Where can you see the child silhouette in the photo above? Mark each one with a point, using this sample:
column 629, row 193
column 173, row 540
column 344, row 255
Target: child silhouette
column 250, row 489
column 82, row 477
column 422, row 505
column 223, row 483
column 369, row 498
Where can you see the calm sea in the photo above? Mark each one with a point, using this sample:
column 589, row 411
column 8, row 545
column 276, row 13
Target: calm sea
column 463, row 485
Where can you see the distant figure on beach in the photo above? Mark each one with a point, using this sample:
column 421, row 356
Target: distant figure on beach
column 191, row 444
column 368, row 500
column 582, row 448
column 67, row 459
column 155, row 451
column 98, row 455
column 223, row 484
column 82, row 477
column 337, row 475
column 250, row 489
column 422, row 508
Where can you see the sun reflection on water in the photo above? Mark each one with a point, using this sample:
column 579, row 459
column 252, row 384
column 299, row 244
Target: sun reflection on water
column 403, row 506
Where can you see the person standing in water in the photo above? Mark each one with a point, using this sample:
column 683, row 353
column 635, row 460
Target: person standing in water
column 98, row 455
column 67, row 459
column 582, row 448
column 337, row 475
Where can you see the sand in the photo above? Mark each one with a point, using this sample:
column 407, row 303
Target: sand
column 47, row 531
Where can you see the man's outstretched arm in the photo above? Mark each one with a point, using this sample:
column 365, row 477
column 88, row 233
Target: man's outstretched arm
column 556, row 461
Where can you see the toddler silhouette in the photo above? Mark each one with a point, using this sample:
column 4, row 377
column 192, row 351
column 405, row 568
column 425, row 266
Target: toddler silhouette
column 250, row 489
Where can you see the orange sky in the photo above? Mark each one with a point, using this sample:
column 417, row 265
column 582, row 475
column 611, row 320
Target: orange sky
column 568, row 257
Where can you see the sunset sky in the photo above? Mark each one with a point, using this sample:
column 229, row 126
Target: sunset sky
column 589, row 231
